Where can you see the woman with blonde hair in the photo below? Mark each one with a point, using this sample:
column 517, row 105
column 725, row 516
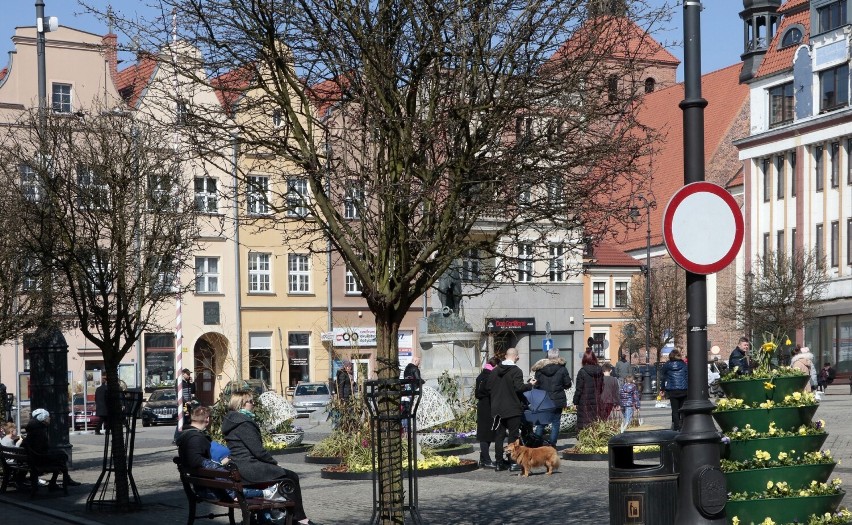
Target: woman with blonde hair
column 255, row 463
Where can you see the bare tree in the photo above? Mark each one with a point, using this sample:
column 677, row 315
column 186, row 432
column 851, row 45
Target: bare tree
column 106, row 212
column 415, row 135
column 779, row 294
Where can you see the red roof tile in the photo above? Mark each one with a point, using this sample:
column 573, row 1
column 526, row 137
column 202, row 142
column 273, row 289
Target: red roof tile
column 132, row 80
column 231, row 85
column 726, row 99
column 777, row 60
column 326, row 94
column 607, row 254
column 3, row 72
column 790, row 4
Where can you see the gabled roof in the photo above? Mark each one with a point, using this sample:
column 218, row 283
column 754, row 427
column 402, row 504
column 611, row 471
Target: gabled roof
column 326, row 94
column 776, row 60
column 660, row 111
column 132, row 80
column 230, row 86
column 607, row 254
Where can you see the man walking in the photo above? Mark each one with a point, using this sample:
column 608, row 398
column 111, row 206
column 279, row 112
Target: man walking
column 622, row 369
column 101, row 406
column 185, row 395
column 505, row 388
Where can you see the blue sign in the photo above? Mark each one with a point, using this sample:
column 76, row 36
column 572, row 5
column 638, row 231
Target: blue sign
column 547, row 344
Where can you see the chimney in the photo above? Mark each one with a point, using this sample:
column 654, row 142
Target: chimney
column 110, row 46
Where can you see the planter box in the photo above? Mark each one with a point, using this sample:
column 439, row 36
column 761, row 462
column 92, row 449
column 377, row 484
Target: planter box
column 467, row 465
column 797, row 476
column 753, row 390
column 785, row 418
column 745, row 449
column 782, row 510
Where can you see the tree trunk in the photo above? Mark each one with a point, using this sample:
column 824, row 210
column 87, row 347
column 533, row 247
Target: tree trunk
column 117, row 436
column 388, row 426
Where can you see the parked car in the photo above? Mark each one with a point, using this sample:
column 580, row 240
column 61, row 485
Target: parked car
column 258, row 386
column 82, row 415
column 160, row 408
column 309, row 397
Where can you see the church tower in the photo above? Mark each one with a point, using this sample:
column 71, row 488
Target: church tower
column 760, row 21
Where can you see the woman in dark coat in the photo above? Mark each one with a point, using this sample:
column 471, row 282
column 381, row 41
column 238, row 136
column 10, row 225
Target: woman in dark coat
column 484, row 423
column 255, row 463
column 675, row 381
column 587, row 395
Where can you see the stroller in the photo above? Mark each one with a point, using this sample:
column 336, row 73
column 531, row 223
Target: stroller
column 539, row 411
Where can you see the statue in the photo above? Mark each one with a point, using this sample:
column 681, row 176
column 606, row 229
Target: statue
column 450, row 288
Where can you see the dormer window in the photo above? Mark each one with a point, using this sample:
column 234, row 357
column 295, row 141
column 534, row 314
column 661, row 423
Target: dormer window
column 834, row 87
column 792, row 36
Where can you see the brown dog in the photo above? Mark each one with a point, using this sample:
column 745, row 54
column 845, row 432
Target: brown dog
column 528, row 457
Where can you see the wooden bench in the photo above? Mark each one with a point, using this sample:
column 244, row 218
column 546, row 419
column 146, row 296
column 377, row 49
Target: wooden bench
column 16, row 464
column 222, row 481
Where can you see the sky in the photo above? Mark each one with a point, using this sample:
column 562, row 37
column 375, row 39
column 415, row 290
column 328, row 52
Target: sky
column 721, row 27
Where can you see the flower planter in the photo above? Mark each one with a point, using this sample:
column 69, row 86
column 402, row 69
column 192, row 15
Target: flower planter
column 742, row 450
column 340, row 472
column 454, row 450
column 785, row 418
column 797, row 476
column 782, row 510
column 751, row 390
column 291, row 439
column 324, row 460
column 436, row 439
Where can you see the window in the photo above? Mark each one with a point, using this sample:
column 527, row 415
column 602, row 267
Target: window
column 555, row 189
column 612, row 88
column 599, row 295
column 93, row 191
column 297, row 194
column 206, row 274
column 259, row 272
column 258, row 195
column 354, row 201
column 779, row 242
column 260, row 355
column 557, row 263
column 525, row 194
column 834, row 87
column 525, row 262
column 99, row 274
column 849, row 242
column 30, row 186
column 781, row 104
column 182, row 113
column 298, row 273
column 163, row 272
column 792, row 174
column 159, row 360
column 818, row 182
column 834, row 157
column 621, row 294
column 61, row 98
column 767, row 246
column 779, row 177
column 818, row 244
column 160, row 192
column 206, row 199
column 650, row 85
column 791, row 37
column 849, row 161
column 298, row 355
column 30, row 270
column 831, row 16
column 470, row 270
column 353, row 284
column 276, row 117
column 767, row 185
column 835, row 241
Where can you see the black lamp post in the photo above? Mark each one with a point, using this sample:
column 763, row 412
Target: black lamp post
column 647, row 393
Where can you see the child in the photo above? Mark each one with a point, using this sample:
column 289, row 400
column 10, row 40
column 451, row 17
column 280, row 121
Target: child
column 629, row 400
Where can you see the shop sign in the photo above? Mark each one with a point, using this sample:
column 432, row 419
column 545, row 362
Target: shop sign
column 510, row 324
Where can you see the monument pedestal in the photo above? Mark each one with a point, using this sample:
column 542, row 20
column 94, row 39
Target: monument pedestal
column 455, row 352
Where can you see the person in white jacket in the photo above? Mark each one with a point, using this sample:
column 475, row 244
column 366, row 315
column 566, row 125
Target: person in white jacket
column 803, row 360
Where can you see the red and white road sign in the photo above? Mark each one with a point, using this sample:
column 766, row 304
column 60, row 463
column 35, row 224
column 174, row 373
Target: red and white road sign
column 703, row 227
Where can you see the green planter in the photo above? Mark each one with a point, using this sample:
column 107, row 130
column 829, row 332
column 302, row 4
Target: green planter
column 785, row 418
column 797, row 476
column 782, row 510
column 741, row 450
column 753, row 390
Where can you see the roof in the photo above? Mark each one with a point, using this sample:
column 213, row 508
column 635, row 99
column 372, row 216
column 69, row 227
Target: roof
column 660, row 111
column 601, row 34
column 776, row 60
column 132, row 80
column 3, row 72
column 230, row 86
column 326, row 94
column 607, row 254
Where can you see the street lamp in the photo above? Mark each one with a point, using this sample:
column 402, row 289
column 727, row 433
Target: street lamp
column 646, row 377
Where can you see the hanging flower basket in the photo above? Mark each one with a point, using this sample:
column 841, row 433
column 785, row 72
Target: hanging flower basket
column 756, row 390
column 782, row 510
column 797, row 476
column 760, row 418
column 741, row 450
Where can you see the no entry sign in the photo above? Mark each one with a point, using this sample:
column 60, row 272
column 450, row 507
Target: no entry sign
column 703, row 228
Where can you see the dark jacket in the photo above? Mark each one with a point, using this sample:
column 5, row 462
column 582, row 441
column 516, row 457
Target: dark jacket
column 101, row 406
column 552, row 377
column 193, row 447
column 675, row 375
column 254, row 462
column 740, row 359
column 622, row 369
column 506, row 387
column 610, row 393
column 587, row 395
column 344, row 384
column 37, row 441
column 484, row 430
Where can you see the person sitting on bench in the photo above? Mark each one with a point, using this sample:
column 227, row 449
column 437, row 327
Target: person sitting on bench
column 37, row 445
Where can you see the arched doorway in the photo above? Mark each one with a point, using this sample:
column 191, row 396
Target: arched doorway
column 210, row 351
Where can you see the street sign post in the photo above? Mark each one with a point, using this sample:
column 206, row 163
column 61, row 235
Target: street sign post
column 547, row 344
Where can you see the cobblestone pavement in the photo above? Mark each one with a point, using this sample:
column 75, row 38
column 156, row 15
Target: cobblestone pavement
column 576, row 493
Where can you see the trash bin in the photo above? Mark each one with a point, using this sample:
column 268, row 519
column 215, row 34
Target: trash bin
column 643, row 485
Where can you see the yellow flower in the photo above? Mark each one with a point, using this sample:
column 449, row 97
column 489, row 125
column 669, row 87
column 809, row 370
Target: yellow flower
column 767, row 521
column 797, row 395
column 768, row 386
column 787, row 342
column 735, row 520
column 769, row 485
column 768, row 347
column 782, row 456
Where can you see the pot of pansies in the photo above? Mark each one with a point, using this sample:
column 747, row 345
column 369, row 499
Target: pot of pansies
column 794, row 468
column 741, row 444
column 792, row 411
column 781, row 503
column 287, row 434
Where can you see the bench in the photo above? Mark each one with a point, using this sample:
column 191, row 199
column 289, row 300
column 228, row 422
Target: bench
column 16, row 464
column 221, row 480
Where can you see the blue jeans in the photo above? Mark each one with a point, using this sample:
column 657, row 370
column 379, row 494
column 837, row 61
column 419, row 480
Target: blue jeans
column 555, row 418
column 628, row 417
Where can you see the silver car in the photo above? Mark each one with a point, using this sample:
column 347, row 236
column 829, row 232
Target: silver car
column 309, row 397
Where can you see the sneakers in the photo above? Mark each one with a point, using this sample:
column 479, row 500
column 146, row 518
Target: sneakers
column 487, row 464
column 273, row 494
